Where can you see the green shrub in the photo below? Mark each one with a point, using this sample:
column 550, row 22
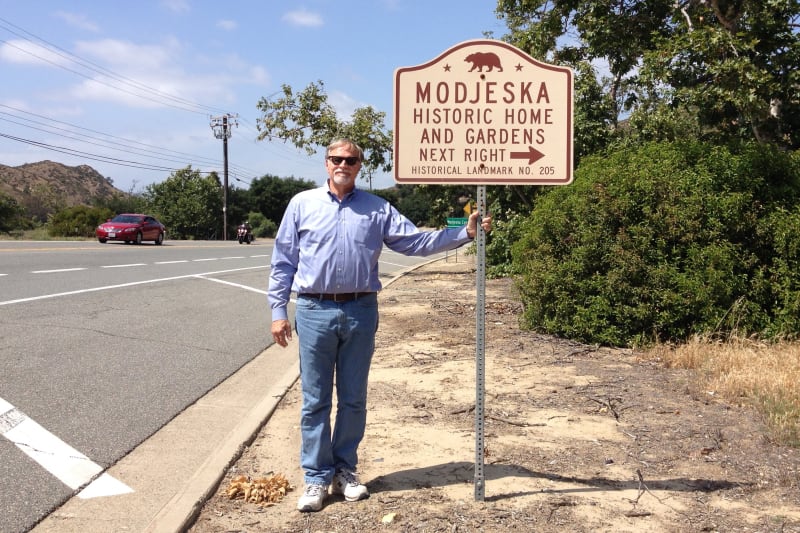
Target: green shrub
column 11, row 214
column 505, row 232
column 77, row 221
column 661, row 242
column 263, row 227
column 782, row 280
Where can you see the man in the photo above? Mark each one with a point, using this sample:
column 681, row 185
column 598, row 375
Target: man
column 327, row 250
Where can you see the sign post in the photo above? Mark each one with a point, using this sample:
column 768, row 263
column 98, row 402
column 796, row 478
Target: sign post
column 483, row 112
column 480, row 351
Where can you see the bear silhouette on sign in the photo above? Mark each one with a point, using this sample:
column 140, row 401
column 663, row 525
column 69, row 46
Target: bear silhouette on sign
column 484, row 59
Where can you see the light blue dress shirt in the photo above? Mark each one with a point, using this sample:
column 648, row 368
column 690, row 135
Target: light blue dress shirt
column 327, row 246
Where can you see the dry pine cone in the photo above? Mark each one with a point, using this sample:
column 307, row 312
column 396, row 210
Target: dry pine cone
column 264, row 491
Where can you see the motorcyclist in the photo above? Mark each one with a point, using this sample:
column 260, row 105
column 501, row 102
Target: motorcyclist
column 245, row 232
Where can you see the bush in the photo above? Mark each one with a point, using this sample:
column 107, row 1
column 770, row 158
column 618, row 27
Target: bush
column 263, row 227
column 78, row 221
column 782, row 229
column 11, row 214
column 662, row 242
column 506, row 230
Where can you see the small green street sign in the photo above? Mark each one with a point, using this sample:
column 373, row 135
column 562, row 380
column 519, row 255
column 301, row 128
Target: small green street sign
column 456, row 222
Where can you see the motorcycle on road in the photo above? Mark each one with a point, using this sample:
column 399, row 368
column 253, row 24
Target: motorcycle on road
column 244, row 234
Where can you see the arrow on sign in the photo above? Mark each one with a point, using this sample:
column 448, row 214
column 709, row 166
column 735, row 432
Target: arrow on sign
column 532, row 155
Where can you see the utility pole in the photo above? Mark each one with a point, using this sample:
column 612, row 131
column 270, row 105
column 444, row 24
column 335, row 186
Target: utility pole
column 221, row 126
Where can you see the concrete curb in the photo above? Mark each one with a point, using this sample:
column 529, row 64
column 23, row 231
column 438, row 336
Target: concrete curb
column 180, row 513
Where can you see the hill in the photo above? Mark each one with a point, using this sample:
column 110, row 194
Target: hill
column 46, row 187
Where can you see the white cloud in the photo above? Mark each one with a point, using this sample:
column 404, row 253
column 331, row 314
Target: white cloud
column 126, row 57
column 259, row 76
column 303, row 17
column 27, row 52
column 153, row 67
column 343, row 104
column 227, row 25
column 77, row 20
column 177, row 6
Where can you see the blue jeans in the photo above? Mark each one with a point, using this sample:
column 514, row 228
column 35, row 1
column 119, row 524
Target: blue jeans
column 335, row 338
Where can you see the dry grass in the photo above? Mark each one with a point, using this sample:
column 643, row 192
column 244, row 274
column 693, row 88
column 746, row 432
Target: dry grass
column 38, row 234
column 743, row 370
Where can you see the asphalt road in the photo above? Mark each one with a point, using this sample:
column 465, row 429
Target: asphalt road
column 102, row 345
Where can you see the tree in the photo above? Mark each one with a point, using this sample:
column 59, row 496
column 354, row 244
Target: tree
column 736, row 64
column 240, row 204
column 270, row 194
column 308, row 121
column 10, row 213
column 123, row 203
column 77, row 221
column 731, row 62
column 188, row 203
column 616, row 32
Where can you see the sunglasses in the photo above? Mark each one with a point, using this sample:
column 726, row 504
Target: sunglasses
column 337, row 160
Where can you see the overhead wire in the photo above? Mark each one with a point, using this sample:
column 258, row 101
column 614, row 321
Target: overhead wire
column 155, row 96
column 128, row 145
column 239, row 174
column 93, row 157
column 158, row 96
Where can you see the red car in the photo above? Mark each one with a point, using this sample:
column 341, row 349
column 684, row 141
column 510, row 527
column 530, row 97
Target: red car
column 131, row 227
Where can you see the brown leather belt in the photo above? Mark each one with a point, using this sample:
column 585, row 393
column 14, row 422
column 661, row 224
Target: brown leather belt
column 341, row 297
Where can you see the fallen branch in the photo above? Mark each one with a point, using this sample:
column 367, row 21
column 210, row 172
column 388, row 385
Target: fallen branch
column 465, row 410
column 513, row 423
column 610, row 404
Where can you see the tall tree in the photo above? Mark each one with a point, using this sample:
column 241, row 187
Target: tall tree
column 734, row 63
column 615, row 32
column 270, row 195
column 10, row 213
column 308, row 121
column 188, row 203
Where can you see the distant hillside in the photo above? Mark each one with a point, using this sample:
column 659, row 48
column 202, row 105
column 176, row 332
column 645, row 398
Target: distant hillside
column 45, row 187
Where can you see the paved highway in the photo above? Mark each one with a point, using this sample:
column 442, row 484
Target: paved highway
column 101, row 345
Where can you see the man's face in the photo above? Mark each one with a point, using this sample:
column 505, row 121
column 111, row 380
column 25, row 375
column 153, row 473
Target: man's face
column 341, row 173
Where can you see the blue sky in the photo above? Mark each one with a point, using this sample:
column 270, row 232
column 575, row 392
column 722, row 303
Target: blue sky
column 129, row 88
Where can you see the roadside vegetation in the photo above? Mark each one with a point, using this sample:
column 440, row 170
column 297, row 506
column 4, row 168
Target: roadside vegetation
column 742, row 370
column 680, row 234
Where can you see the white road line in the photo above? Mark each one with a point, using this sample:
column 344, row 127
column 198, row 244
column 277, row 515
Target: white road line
column 261, row 255
column 260, row 291
column 63, row 461
column 125, row 266
column 392, row 264
column 234, row 257
column 207, row 259
column 57, row 270
column 122, row 285
column 171, row 262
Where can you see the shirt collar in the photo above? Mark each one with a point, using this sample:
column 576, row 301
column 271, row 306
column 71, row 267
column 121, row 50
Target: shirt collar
column 349, row 196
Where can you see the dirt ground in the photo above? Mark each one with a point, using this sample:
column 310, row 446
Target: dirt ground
column 577, row 438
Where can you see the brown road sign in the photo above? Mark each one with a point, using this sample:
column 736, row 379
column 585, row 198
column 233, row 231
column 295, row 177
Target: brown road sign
column 483, row 112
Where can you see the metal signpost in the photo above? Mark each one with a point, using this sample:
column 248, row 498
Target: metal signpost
column 483, row 112
column 480, row 351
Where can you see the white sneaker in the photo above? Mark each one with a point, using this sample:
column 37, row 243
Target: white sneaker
column 346, row 483
column 312, row 498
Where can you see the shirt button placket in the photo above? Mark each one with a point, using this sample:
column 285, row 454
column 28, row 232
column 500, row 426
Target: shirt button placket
column 340, row 260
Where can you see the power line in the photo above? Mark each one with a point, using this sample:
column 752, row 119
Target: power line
column 132, row 87
column 93, row 157
column 127, row 145
column 179, row 103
